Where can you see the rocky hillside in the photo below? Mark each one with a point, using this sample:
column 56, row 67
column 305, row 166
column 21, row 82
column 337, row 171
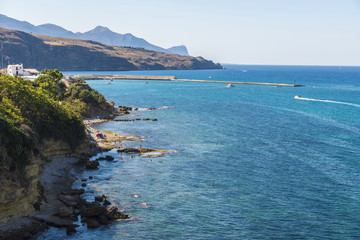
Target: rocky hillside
column 99, row 34
column 44, row 52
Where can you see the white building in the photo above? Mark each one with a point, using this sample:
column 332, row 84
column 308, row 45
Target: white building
column 18, row 70
column 15, row 70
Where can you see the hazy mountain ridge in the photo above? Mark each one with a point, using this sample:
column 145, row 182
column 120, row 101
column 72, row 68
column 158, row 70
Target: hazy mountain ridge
column 39, row 51
column 99, row 34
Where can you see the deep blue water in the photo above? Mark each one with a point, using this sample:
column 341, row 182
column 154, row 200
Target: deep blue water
column 253, row 162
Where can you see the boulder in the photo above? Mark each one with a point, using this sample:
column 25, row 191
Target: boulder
column 73, row 192
column 77, row 212
column 109, row 158
column 83, row 160
column 92, row 223
column 65, row 212
column 92, row 164
column 70, row 200
column 72, row 204
column 57, row 221
column 113, row 213
column 70, row 230
column 103, row 220
column 101, row 198
column 92, row 210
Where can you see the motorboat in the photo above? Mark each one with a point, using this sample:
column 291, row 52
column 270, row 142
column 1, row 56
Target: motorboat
column 108, row 83
column 230, row 85
column 297, row 96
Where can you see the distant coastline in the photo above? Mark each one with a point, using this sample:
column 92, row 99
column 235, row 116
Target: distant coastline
column 45, row 52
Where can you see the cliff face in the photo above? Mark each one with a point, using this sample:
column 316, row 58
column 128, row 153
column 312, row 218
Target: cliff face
column 39, row 51
column 18, row 196
column 20, row 193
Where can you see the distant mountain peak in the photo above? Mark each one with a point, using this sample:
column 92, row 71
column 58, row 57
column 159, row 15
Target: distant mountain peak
column 181, row 49
column 101, row 29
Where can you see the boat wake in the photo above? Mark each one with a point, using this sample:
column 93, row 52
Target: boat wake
column 328, row 101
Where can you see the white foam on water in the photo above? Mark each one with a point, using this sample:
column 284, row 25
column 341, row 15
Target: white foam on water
column 328, row 101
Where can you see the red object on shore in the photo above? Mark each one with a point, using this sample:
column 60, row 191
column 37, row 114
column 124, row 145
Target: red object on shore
column 99, row 135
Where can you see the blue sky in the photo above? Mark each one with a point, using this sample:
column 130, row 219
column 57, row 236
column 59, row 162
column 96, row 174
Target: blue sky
column 288, row 32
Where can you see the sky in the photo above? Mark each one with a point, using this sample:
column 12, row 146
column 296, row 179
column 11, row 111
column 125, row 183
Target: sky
column 271, row 32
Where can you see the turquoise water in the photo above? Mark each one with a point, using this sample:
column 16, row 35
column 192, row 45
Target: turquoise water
column 253, row 162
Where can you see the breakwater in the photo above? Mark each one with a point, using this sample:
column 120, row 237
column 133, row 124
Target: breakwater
column 124, row 77
column 171, row 78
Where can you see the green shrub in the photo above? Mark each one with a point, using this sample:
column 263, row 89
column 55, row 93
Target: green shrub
column 23, row 102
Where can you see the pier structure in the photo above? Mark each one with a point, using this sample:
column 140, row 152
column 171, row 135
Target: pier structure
column 171, row 78
column 124, row 77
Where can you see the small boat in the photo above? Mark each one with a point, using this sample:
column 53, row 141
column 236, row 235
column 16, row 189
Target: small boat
column 297, row 96
column 209, row 76
column 244, row 70
column 145, row 82
column 108, row 83
column 230, row 85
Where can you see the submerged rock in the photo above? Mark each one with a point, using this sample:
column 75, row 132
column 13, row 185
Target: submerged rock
column 70, row 230
column 92, row 223
column 109, row 158
column 101, row 198
column 144, row 205
column 92, row 164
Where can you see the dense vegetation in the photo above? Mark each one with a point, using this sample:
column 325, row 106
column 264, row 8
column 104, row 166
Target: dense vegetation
column 33, row 111
column 82, row 99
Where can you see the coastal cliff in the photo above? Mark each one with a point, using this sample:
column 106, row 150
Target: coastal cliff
column 44, row 52
column 40, row 120
column 21, row 193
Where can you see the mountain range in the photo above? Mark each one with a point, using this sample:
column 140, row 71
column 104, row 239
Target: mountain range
column 100, row 34
column 46, row 52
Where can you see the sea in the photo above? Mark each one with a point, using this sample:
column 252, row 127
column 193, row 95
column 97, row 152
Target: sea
column 253, row 162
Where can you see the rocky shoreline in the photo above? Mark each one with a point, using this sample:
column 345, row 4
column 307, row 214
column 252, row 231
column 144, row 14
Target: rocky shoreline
column 63, row 205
